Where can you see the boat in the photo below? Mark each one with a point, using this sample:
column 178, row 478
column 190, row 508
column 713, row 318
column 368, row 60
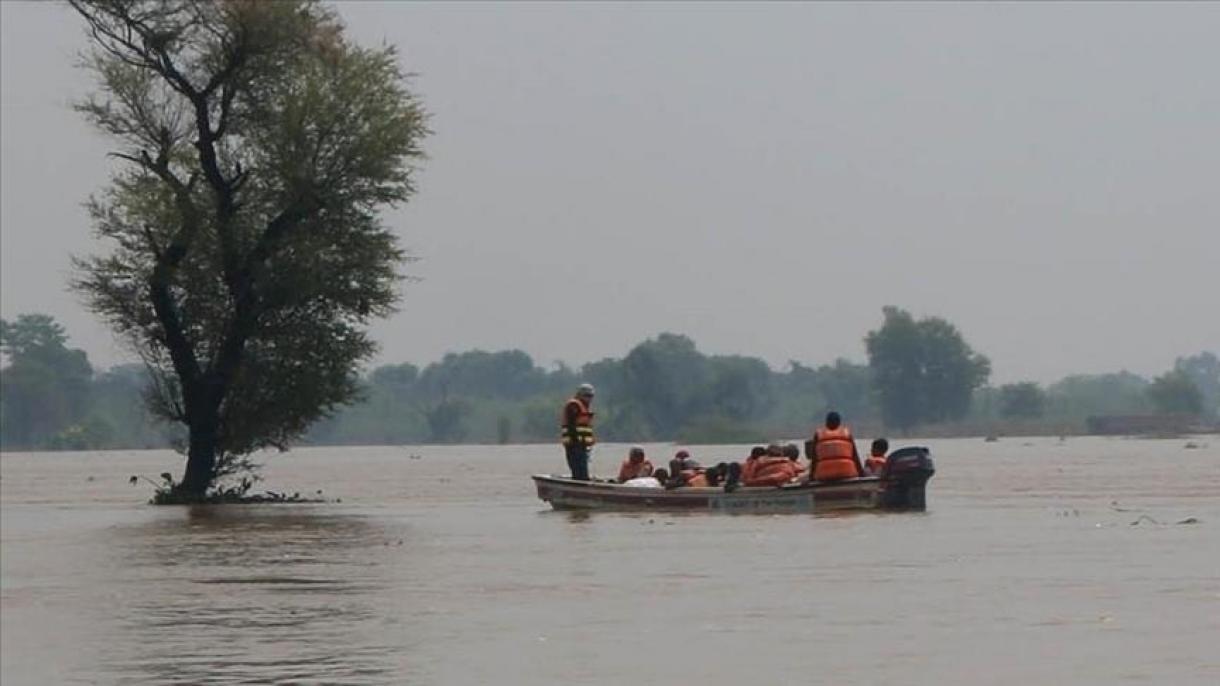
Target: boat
column 901, row 486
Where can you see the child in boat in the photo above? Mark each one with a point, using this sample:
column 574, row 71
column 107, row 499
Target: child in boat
column 876, row 459
column 635, row 466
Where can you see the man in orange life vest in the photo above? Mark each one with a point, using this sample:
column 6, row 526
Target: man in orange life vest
column 635, row 466
column 833, row 451
column 576, row 431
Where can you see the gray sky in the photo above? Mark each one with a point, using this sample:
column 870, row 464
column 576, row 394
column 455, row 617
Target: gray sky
column 761, row 178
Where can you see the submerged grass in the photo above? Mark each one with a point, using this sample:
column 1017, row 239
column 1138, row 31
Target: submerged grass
column 169, row 492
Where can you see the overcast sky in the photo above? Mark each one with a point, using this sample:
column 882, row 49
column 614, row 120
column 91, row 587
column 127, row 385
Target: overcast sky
column 761, row 178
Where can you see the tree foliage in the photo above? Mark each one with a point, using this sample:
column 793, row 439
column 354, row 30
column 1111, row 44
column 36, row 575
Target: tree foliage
column 1204, row 371
column 491, row 397
column 923, row 371
column 1175, row 393
column 1078, row 396
column 1024, row 400
column 248, row 256
column 44, row 390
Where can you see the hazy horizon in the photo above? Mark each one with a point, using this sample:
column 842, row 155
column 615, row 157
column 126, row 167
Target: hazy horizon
column 762, row 179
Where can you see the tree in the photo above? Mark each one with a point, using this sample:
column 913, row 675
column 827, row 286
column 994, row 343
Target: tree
column 1174, row 393
column 504, row 374
column 258, row 146
column 923, row 371
column 119, row 401
column 447, row 421
column 664, row 377
column 740, row 388
column 1022, row 401
column 845, row 387
column 1082, row 395
column 45, row 388
column 1204, row 370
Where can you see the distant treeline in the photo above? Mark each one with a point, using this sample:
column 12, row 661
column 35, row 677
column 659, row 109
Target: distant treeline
column 920, row 376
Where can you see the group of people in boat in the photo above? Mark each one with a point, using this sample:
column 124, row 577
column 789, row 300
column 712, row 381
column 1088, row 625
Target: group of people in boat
column 832, row 457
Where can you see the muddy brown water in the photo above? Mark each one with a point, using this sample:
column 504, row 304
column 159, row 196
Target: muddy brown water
column 1039, row 561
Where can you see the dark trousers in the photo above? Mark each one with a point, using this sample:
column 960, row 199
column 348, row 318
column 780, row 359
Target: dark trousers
column 578, row 461
column 728, row 472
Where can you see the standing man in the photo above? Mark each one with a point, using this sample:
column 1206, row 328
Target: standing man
column 576, row 431
column 833, row 451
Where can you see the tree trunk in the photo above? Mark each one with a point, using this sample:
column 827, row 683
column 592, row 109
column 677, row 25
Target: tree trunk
column 200, row 458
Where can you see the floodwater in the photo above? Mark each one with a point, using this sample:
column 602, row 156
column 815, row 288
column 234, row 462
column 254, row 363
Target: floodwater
column 1039, row 561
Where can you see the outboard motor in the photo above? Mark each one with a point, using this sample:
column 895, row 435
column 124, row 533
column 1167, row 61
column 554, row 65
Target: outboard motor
column 905, row 477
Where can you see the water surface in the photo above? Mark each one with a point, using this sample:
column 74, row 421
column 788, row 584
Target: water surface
column 1039, row 561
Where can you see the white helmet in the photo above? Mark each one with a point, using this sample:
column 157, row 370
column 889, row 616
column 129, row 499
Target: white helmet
column 585, row 389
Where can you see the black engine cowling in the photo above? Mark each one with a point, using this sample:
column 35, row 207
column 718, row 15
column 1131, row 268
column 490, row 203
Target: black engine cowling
column 905, row 477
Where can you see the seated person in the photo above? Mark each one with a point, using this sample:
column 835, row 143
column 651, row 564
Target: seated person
column 792, row 452
column 749, row 464
column 657, row 480
column 728, row 473
column 684, row 470
column 635, row 466
column 876, row 459
column 772, row 468
column 833, row 451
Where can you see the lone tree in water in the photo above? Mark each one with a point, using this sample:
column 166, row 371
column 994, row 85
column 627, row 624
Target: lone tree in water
column 258, row 146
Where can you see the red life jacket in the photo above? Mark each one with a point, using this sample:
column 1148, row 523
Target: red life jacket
column 835, row 450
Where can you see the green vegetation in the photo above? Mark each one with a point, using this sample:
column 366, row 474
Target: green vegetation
column 1024, row 400
column 1174, row 392
column 663, row 389
column 924, row 371
column 257, row 146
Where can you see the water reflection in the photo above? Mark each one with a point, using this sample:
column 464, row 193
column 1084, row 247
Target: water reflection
column 274, row 594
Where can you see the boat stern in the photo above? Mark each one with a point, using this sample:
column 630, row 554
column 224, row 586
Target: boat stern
column 904, row 479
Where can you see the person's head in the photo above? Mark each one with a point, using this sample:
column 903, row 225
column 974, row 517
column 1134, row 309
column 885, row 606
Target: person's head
column 660, row 475
column 682, row 455
column 880, row 446
column 585, row 392
column 758, row 451
column 833, row 420
column 792, row 452
column 636, row 454
column 773, row 450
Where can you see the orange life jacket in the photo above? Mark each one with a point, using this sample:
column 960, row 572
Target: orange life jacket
column 695, row 479
column 747, row 468
column 633, row 470
column 582, row 433
column 769, row 470
column 835, row 450
column 875, row 463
